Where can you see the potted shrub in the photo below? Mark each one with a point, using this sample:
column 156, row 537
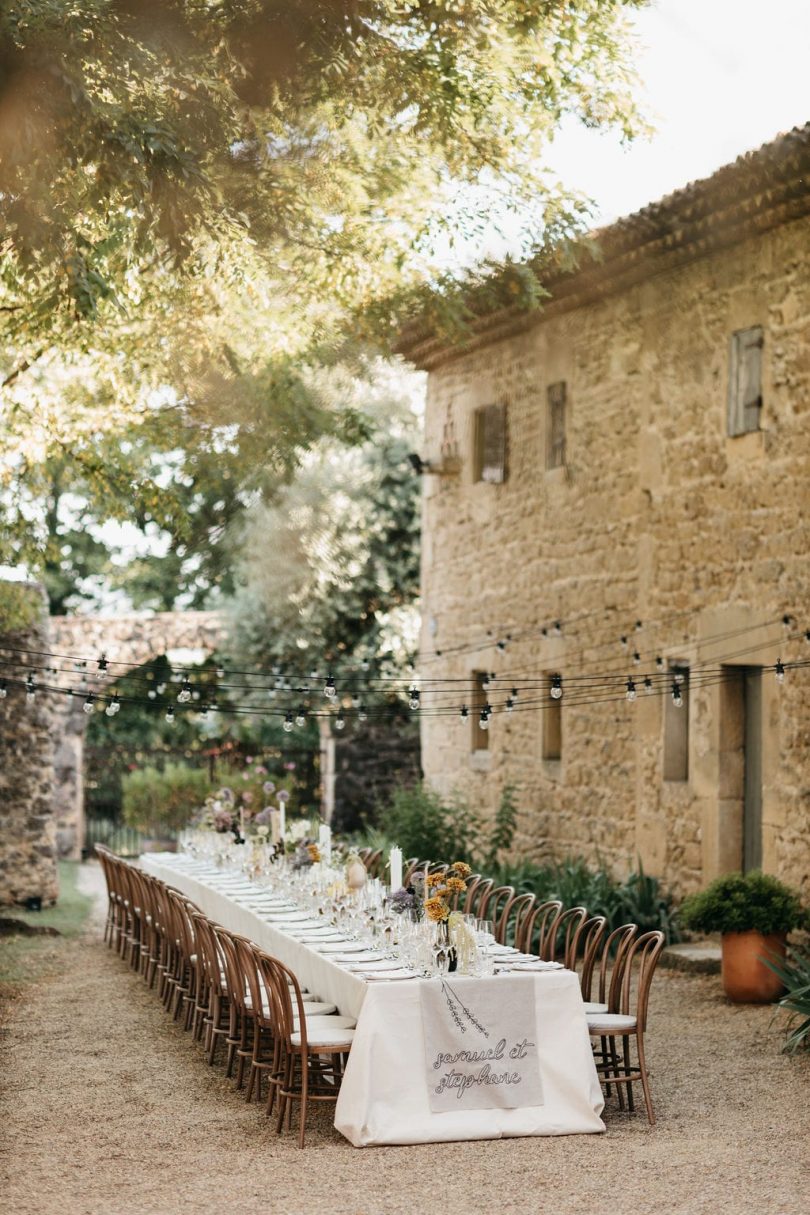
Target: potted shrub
column 160, row 801
column 753, row 912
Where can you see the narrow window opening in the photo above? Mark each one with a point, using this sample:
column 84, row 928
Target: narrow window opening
column 552, row 722
column 480, row 738
column 556, row 425
column 676, row 724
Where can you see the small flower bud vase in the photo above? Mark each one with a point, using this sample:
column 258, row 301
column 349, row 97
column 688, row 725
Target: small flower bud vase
column 444, row 952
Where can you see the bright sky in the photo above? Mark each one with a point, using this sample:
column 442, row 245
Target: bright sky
column 721, row 77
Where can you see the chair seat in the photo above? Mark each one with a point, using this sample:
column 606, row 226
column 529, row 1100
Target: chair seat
column 610, row 1023
column 592, row 1006
column 316, row 1024
column 318, row 1008
column 312, row 1008
column 335, row 1039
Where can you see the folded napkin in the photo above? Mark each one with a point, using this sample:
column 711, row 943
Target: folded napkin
column 536, row 964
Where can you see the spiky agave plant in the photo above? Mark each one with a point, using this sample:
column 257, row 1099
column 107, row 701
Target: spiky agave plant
column 794, row 971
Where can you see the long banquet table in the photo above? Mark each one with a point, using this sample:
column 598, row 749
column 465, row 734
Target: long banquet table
column 384, row 1095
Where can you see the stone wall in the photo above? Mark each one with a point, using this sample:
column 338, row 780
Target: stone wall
column 127, row 639
column 657, row 517
column 27, row 833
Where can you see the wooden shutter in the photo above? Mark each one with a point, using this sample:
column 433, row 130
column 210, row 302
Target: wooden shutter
column 490, row 443
column 555, row 455
column 745, row 381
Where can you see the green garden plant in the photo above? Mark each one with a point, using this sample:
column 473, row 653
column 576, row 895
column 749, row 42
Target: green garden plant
column 794, row 971
column 749, row 902
column 425, row 826
column 158, row 800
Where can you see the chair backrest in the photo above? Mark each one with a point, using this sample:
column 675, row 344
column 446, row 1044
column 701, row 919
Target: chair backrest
column 210, row 954
column 565, row 936
column 495, row 906
column 590, row 939
column 615, row 951
column 477, row 896
column 128, row 886
column 182, row 923
column 287, row 1005
column 645, row 952
column 105, row 858
column 408, row 869
column 536, row 929
column 254, row 986
column 375, row 864
column 236, row 978
column 513, row 918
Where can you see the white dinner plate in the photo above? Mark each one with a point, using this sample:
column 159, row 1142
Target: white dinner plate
column 391, row 976
column 344, row 947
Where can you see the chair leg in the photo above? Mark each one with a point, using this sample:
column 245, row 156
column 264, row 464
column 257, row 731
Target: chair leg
column 645, row 1083
column 631, row 1105
column 286, row 1084
column 303, row 1103
column 603, row 1045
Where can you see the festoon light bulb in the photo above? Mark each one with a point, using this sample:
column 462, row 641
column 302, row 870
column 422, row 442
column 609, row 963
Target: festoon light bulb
column 631, row 689
column 556, row 690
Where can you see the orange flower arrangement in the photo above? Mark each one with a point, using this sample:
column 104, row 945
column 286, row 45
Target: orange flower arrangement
column 436, row 909
column 314, row 853
column 444, row 885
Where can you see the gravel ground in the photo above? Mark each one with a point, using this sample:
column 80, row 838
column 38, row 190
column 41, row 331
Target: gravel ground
column 109, row 1109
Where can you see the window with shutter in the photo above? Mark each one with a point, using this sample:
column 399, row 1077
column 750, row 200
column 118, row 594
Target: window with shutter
column 490, row 443
column 555, row 425
column 745, row 381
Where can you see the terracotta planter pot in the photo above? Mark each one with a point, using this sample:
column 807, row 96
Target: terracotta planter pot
column 746, row 978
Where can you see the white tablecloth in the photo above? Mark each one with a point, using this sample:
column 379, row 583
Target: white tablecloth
column 384, row 1097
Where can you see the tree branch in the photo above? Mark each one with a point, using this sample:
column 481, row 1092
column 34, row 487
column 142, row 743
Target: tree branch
column 22, row 367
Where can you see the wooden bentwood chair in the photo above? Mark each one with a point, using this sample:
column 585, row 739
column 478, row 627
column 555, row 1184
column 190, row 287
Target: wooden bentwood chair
column 620, row 1023
column 309, row 1056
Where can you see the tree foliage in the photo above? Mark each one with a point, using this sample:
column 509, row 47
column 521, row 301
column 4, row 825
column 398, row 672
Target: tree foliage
column 201, row 200
column 340, row 579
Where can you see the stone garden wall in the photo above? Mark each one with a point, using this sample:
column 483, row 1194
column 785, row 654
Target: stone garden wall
column 27, row 828
column 126, row 639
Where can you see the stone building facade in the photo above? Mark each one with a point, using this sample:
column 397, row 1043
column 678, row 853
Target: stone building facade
column 636, row 454
column 27, row 828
